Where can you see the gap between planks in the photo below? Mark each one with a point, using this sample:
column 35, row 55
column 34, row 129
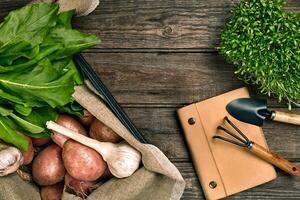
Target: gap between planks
column 151, row 50
column 177, row 106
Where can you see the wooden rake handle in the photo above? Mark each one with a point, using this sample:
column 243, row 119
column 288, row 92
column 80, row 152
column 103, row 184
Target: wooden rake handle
column 275, row 159
column 286, row 117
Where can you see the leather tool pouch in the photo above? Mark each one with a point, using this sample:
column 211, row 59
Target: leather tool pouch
column 223, row 169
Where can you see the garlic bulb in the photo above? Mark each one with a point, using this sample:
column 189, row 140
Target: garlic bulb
column 10, row 159
column 122, row 159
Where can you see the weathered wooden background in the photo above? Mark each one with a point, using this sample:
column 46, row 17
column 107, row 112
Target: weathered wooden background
column 159, row 55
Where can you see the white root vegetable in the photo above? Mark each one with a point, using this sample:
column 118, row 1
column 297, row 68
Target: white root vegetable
column 10, row 159
column 122, row 159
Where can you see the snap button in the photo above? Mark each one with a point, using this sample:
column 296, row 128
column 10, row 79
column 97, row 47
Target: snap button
column 192, row 121
column 213, row 184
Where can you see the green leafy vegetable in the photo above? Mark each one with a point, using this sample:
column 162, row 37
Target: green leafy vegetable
column 32, row 125
column 40, row 84
column 37, row 73
column 72, row 108
column 24, row 29
column 23, row 110
column 39, row 116
column 9, row 135
column 263, row 40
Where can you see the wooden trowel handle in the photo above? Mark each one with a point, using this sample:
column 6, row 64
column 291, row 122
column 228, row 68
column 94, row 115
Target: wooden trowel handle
column 275, row 159
column 286, row 117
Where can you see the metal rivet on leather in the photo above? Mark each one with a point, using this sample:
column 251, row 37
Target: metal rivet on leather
column 213, row 184
column 192, row 121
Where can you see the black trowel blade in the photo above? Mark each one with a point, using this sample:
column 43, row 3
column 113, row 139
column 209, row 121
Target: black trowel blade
column 248, row 110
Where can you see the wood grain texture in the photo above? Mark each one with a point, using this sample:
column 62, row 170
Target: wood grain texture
column 275, row 159
column 8, row 5
column 163, row 78
column 161, row 127
column 167, row 78
column 284, row 187
column 159, row 55
column 161, row 24
column 287, row 118
column 155, row 24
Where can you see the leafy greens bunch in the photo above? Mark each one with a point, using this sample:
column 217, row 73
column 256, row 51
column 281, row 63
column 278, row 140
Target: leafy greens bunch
column 263, row 40
column 37, row 73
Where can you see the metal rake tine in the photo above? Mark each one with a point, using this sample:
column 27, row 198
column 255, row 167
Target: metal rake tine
column 237, row 129
column 230, row 141
column 232, row 134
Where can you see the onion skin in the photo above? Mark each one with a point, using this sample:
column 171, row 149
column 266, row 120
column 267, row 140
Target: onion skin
column 87, row 118
column 47, row 167
column 102, row 133
column 37, row 142
column 82, row 162
column 70, row 123
column 11, row 159
column 80, row 188
column 52, row 192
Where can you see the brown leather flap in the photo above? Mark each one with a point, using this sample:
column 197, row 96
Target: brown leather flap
column 230, row 167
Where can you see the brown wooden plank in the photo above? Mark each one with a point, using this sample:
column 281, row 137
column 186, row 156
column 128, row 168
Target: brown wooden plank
column 161, row 128
column 171, row 80
column 163, row 78
column 161, row 24
column 158, row 24
column 8, row 5
column 166, row 78
column 284, row 187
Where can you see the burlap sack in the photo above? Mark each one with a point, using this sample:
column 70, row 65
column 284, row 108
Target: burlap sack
column 82, row 8
column 158, row 179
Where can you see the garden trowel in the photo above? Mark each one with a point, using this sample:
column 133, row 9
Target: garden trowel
column 255, row 111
